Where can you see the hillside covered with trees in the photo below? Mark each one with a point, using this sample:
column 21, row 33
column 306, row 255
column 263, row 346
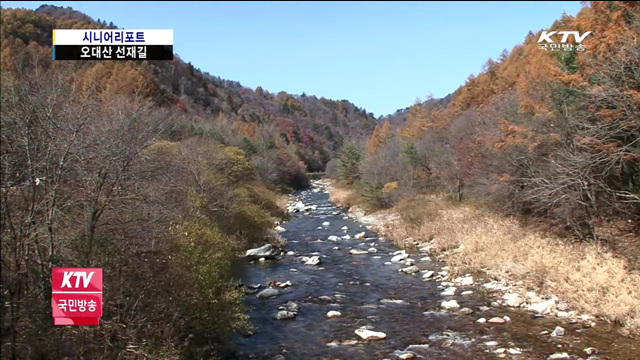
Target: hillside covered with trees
column 315, row 126
column 540, row 133
column 154, row 171
column 528, row 173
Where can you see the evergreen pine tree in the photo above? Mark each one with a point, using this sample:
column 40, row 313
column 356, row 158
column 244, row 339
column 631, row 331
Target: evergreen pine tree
column 350, row 158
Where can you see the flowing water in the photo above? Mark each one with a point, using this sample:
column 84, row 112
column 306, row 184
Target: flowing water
column 359, row 287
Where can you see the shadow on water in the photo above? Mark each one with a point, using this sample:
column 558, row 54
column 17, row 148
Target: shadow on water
column 356, row 284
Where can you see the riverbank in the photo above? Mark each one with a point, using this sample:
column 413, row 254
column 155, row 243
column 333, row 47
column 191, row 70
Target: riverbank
column 528, row 269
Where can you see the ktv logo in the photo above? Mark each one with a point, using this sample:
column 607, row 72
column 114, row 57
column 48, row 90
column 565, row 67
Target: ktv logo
column 76, row 296
column 84, row 275
column 546, row 41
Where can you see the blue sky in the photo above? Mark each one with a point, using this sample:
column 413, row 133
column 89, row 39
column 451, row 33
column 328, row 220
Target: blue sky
column 378, row 55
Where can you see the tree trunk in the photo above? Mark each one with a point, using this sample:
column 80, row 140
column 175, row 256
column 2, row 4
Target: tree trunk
column 460, row 188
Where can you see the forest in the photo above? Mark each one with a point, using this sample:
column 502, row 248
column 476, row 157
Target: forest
column 529, row 173
column 161, row 173
column 538, row 133
column 154, row 171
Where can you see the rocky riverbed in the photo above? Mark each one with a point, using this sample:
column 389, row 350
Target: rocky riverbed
column 338, row 291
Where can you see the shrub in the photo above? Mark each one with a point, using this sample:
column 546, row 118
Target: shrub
column 416, row 212
column 332, row 168
column 250, row 223
column 268, row 200
column 372, row 193
column 204, row 284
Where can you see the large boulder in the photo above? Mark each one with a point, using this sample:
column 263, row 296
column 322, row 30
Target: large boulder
column 450, row 305
column 268, row 252
column 544, row 307
column 290, row 306
column 465, row 281
column 400, row 257
column 268, row 293
column 314, row 260
column 496, row 320
column 450, row 291
column 513, row 299
column 409, row 270
column 284, row 315
column 558, row 331
column 370, row 335
column 357, row 252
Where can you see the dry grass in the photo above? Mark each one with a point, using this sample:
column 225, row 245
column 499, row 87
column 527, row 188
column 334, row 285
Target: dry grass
column 282, row 202
column 342, row 196
column 587, row 277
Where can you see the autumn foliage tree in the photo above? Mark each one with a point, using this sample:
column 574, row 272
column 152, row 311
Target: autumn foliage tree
column 380, row 136
column 417, row 121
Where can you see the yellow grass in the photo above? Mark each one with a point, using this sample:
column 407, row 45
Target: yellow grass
column 341, row 195
column 282, row 202
column 586, row 277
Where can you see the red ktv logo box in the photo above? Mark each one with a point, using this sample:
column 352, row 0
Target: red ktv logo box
column 76, row 296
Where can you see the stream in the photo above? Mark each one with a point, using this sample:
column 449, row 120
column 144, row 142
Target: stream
column 407, row 308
